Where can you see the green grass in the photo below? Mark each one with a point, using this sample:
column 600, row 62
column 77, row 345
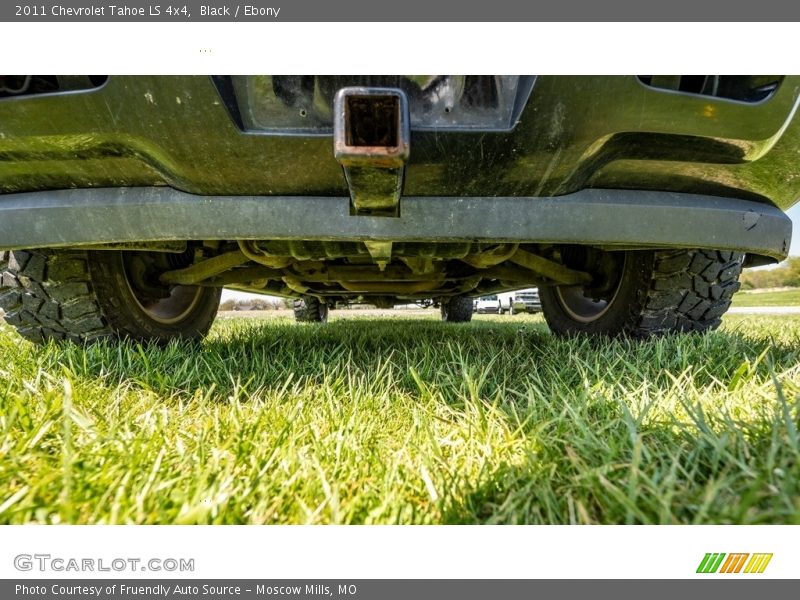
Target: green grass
column 779, row 298
column 409, row 420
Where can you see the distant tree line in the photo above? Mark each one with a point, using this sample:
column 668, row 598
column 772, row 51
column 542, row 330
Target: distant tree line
column 786, row 275
column 256, row 304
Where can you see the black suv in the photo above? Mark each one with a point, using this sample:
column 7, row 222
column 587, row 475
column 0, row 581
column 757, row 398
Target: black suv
column 631, row 203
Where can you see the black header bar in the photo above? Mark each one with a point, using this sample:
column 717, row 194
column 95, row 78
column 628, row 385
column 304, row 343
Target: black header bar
column 400, row 11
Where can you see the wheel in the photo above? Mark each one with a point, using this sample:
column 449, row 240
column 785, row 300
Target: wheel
column 457, row 310
column 310, row 310
column 85, row 295
column 648, row 293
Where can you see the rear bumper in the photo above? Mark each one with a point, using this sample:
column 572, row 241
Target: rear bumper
column 572, row 133
column 603, row 218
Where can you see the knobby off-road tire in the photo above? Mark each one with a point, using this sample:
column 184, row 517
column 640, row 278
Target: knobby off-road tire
column 310, row 310
column 658, row 292
column 85, row 295
column 457, row 310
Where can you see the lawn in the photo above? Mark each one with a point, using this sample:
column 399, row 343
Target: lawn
column 405, row 420
column 790, row 297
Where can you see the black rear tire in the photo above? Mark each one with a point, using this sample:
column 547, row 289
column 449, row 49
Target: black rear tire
column 457, row 310
column 657, row 292
column 310, row 310
column 86, row 295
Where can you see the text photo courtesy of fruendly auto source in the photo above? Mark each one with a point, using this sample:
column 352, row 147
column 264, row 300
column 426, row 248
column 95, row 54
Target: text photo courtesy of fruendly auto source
column 444, row 299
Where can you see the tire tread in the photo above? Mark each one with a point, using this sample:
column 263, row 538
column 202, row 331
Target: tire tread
column 49, row 295
column 687, row 298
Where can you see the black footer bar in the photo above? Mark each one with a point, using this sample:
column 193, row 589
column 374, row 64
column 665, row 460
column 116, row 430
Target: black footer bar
column 733, row 588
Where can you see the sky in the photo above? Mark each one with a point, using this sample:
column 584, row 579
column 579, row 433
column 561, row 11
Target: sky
column 794, row 213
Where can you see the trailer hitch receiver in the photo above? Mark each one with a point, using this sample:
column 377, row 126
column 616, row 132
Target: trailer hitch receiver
column 371, row 142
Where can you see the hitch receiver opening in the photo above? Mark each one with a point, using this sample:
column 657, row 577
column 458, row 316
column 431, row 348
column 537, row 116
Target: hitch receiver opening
column 372, row 120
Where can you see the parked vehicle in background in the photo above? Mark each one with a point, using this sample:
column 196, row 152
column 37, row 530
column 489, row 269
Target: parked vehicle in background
column 526, row 301
column 488, row 304
column 508, row 302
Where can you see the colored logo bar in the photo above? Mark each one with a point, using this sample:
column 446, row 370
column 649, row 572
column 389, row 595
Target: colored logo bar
column 737, row 562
